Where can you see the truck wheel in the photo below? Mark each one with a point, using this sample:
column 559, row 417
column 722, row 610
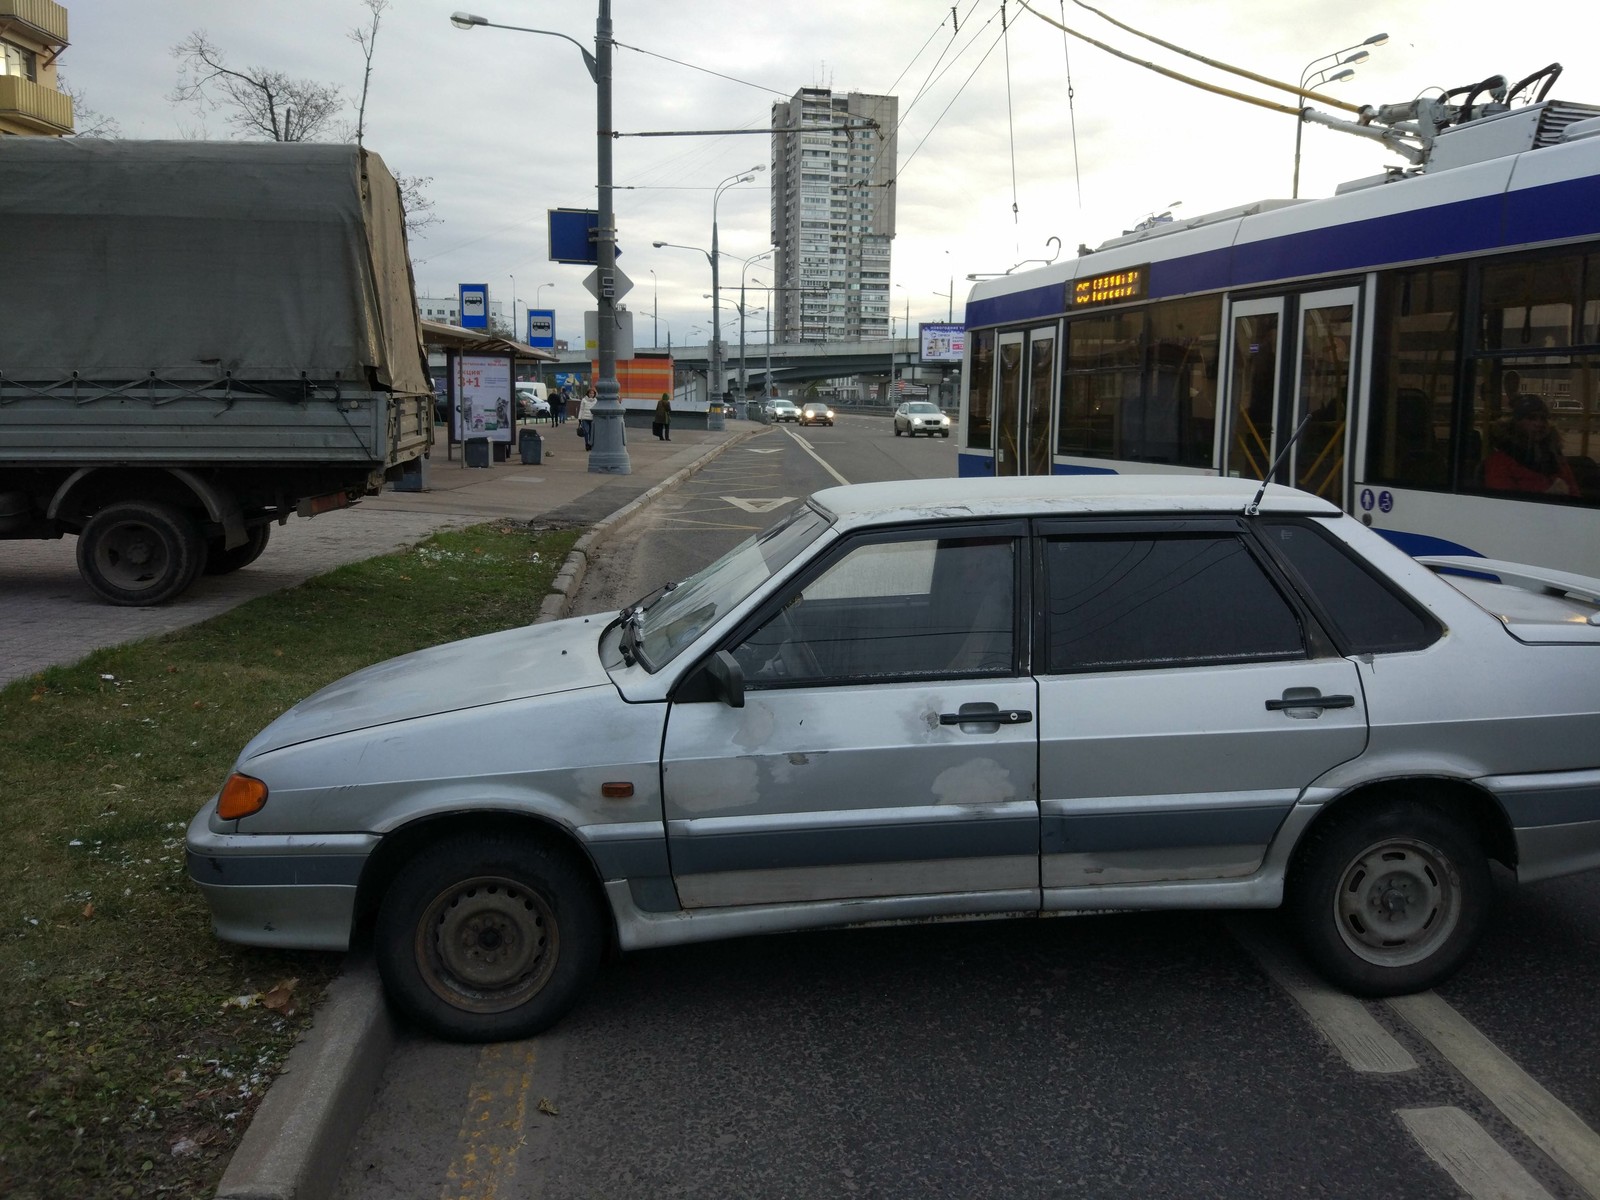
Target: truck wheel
column 488, row 938
column 138, row 554
column 1390, row 899
column 224, row 562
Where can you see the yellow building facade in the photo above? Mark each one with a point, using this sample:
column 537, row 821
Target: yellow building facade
column 33, row 33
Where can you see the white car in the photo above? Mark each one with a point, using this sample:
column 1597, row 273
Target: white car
column 935, row 699
column 784, row 410
column 921, row 416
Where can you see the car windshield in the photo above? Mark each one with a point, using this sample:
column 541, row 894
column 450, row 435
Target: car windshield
column 681, row 614
column 923, row 408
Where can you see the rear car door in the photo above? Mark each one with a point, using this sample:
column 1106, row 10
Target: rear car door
column 887, row 743
column 1186, row 699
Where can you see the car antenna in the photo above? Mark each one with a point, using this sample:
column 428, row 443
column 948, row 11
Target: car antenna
column 1254, row 507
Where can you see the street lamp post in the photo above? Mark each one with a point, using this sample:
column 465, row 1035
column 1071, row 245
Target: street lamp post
column 740, row 403
column 1325, row 75
column 655, row 310
column 610, row 453
column 716, row 323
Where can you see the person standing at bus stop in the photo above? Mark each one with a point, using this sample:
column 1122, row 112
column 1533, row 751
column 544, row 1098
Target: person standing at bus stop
column 586, row 418
column 663, row 428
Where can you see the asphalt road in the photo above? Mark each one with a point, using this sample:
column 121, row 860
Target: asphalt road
column 1108, row 1055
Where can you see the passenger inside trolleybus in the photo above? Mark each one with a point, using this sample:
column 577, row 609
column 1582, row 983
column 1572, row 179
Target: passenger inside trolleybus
column 1525, row 453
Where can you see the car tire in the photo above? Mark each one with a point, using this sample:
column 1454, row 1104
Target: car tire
column 485, row 938
column 1389, row 898
column 944, row 433
column 897, row 431
column 221, row 561
column 139, row 554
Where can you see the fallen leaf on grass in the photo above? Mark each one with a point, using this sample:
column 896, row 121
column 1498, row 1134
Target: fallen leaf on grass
column 88, row 910
column 280, row 997
column 546, row 1105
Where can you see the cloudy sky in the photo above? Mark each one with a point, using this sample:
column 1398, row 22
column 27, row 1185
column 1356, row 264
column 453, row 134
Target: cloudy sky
column 1007, row 140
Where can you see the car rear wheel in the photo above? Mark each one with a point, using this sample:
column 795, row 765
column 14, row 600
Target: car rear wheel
column 1390, row 898
column 486, row 938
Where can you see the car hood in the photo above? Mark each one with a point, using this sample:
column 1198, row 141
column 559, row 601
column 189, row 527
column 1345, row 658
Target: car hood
column 560, row 656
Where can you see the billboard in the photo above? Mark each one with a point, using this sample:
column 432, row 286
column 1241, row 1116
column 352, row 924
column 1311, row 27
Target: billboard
column 942, row 343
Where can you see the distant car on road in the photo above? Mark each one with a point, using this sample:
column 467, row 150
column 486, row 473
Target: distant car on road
column 920, row 416
column 816, row 414
column 532, row 400
column 784, row 410
column 930, row 699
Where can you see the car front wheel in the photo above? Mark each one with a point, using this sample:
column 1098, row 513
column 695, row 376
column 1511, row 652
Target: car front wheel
column 486, row 938
column 1390, row 899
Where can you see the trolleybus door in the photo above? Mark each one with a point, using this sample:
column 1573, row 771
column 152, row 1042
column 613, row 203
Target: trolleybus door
column 1315, row 333
column 1253, row 384
column 1322, row 391
column 1024, row 387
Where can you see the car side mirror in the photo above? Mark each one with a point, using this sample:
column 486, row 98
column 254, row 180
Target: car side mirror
column 727, row 677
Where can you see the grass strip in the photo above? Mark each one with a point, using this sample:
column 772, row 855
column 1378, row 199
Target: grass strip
column 134, row 1046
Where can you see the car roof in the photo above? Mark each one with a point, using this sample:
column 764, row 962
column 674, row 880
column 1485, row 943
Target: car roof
column 1064, row 495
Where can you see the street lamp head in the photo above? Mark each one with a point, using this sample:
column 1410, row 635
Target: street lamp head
column 1360, row 56
column 464, row 20
column 1340, row 76
column 658, row 245
column 1376, row 39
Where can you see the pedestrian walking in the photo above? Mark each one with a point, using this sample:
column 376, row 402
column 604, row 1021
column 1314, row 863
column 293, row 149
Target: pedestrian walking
column 559, row 405
column 663, row 423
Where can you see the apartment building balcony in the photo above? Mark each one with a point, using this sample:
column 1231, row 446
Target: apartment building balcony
column 41, row 21
column 27, row 107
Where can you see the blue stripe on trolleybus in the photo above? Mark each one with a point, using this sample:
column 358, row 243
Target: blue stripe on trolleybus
column 1550, row 212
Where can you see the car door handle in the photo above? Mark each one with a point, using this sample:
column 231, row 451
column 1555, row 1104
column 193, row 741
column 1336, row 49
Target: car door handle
column 1309, row 698
column 986, row 714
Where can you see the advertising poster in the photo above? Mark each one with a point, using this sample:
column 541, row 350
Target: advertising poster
column 483, row 397
column 943, row 343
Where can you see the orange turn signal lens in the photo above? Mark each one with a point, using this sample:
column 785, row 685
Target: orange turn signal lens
column 616, row 791
column 241, row 796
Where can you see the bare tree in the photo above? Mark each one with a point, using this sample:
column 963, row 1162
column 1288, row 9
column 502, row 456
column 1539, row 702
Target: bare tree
column 415, row 203
column 86, row 121
column 367, row 39
column 257, row 101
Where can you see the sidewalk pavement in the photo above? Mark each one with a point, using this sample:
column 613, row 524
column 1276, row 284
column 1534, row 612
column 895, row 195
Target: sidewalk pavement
column 49, row 617
column 295, row 1146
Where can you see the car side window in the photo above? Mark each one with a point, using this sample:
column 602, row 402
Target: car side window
column 1366, row 615
column 1143, row 601
column 917, row 608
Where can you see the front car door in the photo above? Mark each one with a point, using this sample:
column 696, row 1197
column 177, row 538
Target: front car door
column 1186, row 701
column 887, row 742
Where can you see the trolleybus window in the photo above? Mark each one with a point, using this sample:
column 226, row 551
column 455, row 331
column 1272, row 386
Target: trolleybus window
column 980, row 392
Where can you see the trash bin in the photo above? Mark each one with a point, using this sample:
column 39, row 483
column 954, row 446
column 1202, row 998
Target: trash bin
column 532, row 447
column 502, row 451
column 475, row 452
column 715, row 419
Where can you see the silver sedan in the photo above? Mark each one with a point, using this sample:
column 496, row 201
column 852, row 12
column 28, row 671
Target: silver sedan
column 932, row 699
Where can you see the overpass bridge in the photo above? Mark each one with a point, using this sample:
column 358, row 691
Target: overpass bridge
column 794, row 365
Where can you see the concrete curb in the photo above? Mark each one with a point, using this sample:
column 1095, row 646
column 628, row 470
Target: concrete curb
column 296, row 1145
column 297, row 1142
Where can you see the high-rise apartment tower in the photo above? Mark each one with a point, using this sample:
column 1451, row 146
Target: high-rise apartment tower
column 833, row 170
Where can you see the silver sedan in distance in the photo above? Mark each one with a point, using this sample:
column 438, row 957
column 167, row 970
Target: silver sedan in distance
column 934, row 699
column 921, row 416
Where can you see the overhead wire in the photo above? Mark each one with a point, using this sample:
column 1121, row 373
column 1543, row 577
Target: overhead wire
column 1011, row 119
column 1212, row 62
column 1072, row 111
column 1271, row 105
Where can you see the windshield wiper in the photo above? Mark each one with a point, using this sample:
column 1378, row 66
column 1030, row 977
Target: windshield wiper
column 646, row 602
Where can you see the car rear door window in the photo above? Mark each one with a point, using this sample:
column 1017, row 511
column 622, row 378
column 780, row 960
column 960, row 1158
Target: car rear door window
column 1142, row 601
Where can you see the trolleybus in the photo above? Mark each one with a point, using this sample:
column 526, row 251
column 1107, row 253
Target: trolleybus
column 1422, row 347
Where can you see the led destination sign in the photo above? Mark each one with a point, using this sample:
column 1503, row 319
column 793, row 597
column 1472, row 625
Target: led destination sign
column 1130, row 283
